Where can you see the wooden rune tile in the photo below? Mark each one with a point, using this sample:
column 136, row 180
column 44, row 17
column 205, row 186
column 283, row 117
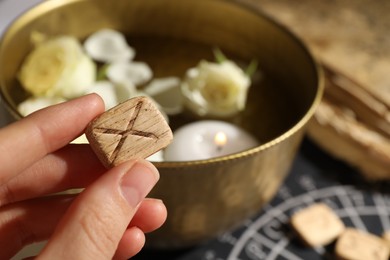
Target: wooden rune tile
column 132, row 129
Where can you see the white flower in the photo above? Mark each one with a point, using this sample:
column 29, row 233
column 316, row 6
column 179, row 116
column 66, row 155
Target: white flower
column 167, row 92
column 33, row 104
column 113, row 94
column 108, row 45
column 135, row 72
column 215, row 89
column 58, row 67
column 107, row 91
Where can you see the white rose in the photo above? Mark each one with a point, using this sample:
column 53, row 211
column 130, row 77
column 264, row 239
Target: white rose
column 215, row 89
column 58, row 67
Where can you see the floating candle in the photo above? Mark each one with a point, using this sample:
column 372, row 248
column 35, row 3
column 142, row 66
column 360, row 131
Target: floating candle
column 208, row 139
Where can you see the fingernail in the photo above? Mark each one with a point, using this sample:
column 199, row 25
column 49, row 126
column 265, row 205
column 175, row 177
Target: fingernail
column 138, row 181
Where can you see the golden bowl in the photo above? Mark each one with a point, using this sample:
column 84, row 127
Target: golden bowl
column 204, row 198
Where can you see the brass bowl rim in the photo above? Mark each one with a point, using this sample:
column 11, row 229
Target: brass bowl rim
column 49, row 5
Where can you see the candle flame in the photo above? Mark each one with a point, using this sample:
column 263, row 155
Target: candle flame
column 220, row 139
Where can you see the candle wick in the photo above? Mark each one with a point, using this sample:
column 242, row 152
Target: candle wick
column 219, row 148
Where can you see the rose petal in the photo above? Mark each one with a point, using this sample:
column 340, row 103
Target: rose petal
column 108, row 45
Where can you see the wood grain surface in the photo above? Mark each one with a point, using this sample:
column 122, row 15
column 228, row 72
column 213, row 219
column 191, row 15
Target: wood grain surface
column 133, row 129
column 350, row 38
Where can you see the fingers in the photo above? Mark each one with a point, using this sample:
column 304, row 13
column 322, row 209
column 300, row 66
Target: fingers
column 151, row 214
column 28, row 222
column 94, row 224
column 74, row 166
column 35, row 220
column 29, row 139
column 131, row 243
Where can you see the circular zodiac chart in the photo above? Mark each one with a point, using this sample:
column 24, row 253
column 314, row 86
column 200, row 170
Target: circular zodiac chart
column 269, row 235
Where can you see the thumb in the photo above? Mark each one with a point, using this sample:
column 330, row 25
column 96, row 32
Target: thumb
column 96, row 221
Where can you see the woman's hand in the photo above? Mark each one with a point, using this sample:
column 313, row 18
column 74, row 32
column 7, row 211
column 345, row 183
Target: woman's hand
column 107, row 220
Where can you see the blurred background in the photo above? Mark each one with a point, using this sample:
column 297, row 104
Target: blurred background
column 345, row 158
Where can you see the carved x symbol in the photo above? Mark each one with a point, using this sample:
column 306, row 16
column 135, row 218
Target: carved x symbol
column 125, row 133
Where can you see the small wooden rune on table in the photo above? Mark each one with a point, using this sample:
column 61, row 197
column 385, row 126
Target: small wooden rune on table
column 133, row 129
